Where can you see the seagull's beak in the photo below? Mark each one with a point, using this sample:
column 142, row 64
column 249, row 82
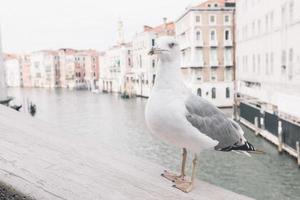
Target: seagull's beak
column 155, row 51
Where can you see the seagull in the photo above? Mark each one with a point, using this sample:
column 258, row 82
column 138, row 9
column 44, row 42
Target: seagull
column 178, row 117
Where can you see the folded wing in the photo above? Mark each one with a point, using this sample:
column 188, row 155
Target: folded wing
column 212, row 122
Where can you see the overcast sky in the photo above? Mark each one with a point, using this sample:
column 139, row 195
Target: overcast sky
column 29, row 25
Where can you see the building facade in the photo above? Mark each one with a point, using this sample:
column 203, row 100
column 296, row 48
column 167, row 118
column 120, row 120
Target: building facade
column 91, row 68
column 144, row 65
column 13, row 70
column 25, row 70
column 65, row 68
column 115, row 65
column 43, row 69
column 66, row 73
column 3, row 87
column 268, row 54
column 205, row 35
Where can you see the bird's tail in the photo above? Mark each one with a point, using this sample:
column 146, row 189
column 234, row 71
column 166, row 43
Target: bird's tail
column 245, row 148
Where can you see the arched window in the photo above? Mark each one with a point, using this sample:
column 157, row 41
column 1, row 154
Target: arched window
column 198, row 35
column 199, row 92
column 213, row 35
column 227, row 92
column 213, row 93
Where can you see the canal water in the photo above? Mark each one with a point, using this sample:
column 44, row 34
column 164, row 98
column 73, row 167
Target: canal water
column 120, row 122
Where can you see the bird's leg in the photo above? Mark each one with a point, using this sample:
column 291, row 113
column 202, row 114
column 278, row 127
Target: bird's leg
column 184, row 154
column 187, row 186
column 174, row 177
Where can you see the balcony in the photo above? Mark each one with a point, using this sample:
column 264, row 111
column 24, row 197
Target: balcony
column 228, row 43
column 214, row 63
column 197, row 63
column 185, row 64
column 184, row 45
column 213, row 43
column 228, row 62
column 199, row 43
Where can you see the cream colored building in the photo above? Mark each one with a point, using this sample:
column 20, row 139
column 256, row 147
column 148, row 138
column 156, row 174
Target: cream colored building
column 3, row 87
column 114, row 65
column 205, row 34
column 13, row 71
column 144, row 65
column 268, row 54
column 43, row 69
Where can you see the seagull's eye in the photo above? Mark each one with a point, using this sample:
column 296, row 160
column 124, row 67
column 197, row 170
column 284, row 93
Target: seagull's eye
column 171, row 45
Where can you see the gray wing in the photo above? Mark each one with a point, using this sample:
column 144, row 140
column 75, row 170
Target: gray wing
column 212, row 122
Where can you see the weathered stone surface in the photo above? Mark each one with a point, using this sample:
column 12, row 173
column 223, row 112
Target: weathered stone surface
column 45, row 162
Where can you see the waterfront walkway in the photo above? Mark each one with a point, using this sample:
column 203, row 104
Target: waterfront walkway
column 45, row 162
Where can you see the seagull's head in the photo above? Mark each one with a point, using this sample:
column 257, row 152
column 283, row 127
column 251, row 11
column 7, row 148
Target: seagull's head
column 166, row 49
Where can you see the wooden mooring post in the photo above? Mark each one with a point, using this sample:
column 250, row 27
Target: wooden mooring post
column 256, row 126
column 262, row 123
column 280, row 138
column 298, row 152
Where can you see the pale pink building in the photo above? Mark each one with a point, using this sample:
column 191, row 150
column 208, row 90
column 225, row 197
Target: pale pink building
column 25, row 71
column 66, row 74
column 86, row 69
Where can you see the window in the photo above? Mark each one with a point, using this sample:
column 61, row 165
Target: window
column 227, row 92
column 253, row 28
column 129, row 61
column 228, row 74
column 283, row 61
column 141, row 64
column 258, row 64
column 213, row 93
column 198, row 35
column 226, row 19
column 272, row 63
column 216, row 5
column 199, row 92
column 153, row 79
column 227, row 35
column 253, row 64
column 153, row 42
column 267, row 63
column 267, row 22
column 283, row 15
column 199, row 56
column 291, row 12
column 291, row 58
column 212, row 35
column 228, row 57
column 213, row 57
column 246, row 63
column 272, row 19
column 36, row 65
column 213, row 74
column 198, row 19
column 258, row 26
column 212, row 19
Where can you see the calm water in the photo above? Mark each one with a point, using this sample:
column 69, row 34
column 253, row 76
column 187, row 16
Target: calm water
column 121, row 123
